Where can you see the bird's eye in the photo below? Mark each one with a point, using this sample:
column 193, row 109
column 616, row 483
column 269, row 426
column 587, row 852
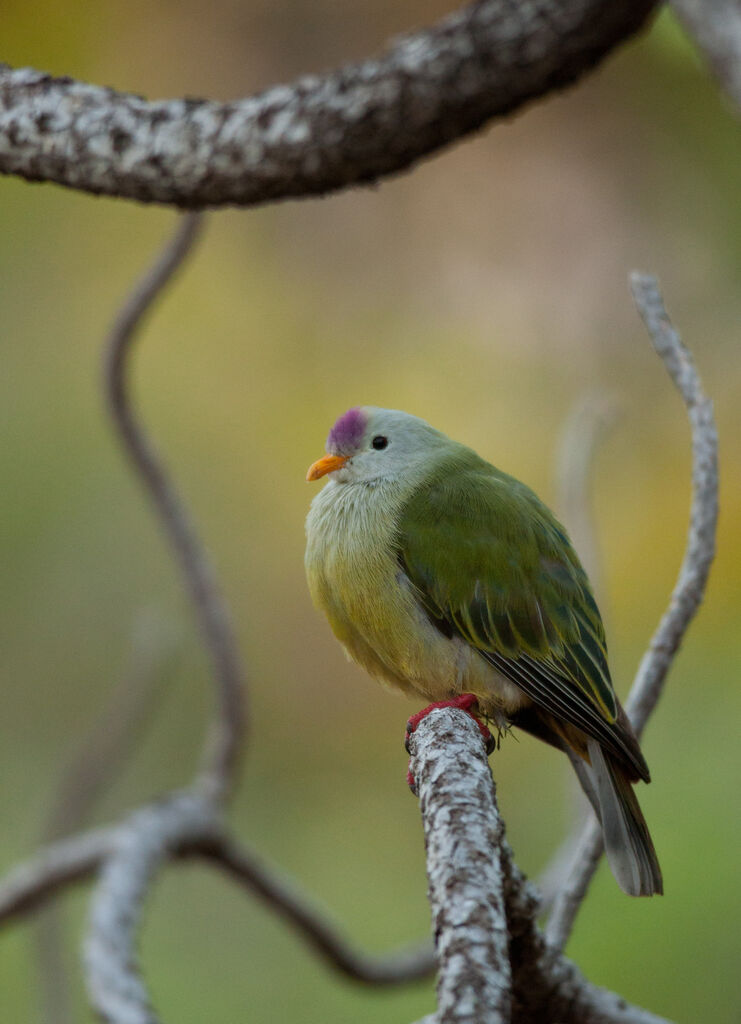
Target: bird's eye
column 379, row 442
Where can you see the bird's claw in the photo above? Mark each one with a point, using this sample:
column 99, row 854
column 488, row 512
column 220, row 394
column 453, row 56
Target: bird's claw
column 467, row 702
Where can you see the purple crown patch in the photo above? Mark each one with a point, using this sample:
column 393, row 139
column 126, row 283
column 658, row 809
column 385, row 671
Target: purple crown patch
column 347, row 433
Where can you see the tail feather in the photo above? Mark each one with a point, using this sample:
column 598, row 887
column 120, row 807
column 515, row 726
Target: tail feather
column 630, row 851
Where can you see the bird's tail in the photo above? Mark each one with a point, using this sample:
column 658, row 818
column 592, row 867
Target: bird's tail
column 630, row 851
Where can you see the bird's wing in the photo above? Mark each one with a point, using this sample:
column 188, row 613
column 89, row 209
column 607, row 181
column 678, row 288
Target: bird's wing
column 491, row 564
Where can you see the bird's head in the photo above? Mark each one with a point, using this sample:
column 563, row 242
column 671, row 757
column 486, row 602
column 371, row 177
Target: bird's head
column 370, row 444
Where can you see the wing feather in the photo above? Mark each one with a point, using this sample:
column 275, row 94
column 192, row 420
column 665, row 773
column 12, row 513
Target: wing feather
column 491, row 564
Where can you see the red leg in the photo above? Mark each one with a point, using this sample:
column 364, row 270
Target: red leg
column 466, row 702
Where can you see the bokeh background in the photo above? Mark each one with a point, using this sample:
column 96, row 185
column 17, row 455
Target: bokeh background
column 485, row 291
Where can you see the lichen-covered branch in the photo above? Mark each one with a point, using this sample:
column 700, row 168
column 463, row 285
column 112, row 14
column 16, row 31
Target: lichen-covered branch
column 494, row 964
column 690, row 586
column 112, row 973
column 464, row 871
column 320, row 133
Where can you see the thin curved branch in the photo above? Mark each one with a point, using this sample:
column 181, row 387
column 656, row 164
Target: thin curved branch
column 321, row 133
column 690, row 586
column 311, row 923
column 228, row 727
column 693, row 575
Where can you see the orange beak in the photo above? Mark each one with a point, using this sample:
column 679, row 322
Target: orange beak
column 327, row 464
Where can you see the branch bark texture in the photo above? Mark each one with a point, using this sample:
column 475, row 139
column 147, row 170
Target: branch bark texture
column 114, row 979
column 494, row 964
column 321, row 133
column 464, row 871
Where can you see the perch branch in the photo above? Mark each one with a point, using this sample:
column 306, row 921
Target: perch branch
column 494, row 963
column 321, row 133
column 715, row 26
column 463, row 836
column 227, row 731
column 690, row 586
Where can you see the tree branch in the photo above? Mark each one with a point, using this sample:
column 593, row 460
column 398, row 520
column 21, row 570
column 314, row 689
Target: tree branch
column 320, row 133
column 494, row 964
column 690, row 586
column 463, row 835
column 115, row 987
column 228, row 727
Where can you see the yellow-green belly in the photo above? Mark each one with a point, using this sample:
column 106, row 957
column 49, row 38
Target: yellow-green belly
column 355, row 579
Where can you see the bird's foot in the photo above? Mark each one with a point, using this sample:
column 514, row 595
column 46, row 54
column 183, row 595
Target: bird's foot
column 467, row 702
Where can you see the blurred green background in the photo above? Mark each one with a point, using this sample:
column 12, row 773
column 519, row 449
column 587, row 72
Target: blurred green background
column 485, row 291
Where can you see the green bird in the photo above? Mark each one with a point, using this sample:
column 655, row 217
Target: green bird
column 445, row 577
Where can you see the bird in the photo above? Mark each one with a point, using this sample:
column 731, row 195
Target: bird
column 450, row 580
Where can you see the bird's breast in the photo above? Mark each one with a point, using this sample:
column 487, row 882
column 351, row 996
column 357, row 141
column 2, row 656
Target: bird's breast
column 355, row 578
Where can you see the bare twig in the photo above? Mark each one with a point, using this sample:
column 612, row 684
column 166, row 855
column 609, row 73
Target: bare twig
column 715, row 25
column 220, row 760
column 693, row 574
column 311, row 922
column 320, row 133
column 142, row 844
column 688, row 590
